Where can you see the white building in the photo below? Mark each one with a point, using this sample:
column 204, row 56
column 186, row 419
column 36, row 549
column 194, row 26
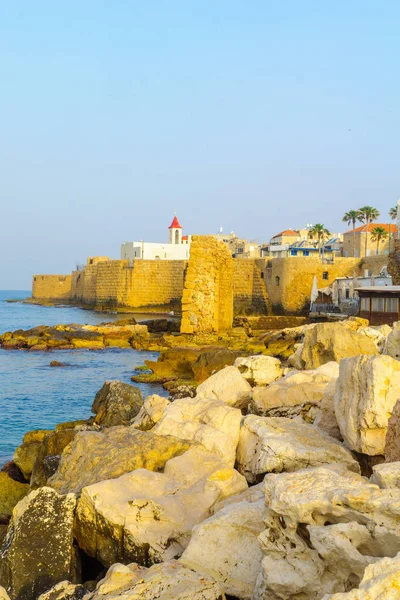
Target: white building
column 178, row 247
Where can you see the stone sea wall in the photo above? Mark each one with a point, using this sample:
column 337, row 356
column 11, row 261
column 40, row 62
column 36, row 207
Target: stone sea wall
column 51, row 287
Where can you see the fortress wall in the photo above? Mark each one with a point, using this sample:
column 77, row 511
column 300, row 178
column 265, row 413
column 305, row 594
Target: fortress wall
column 154, row 283
column 207, row 302
column 51, row 287
column 250, row 294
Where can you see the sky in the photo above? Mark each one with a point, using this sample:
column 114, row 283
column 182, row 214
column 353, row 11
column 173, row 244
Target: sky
column 254, row 115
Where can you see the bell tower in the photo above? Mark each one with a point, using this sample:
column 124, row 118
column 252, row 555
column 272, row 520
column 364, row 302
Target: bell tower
column 175, row 231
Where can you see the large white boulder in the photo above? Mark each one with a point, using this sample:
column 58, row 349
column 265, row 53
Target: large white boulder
column 211, row 423
column 386, row 475
column 297, row 388
column 392, row 347
column 259, row 369
column 170, row 580
column 151, row 412
column 378, row 335
column 367, row 390
column 272, row 445
column 226, row 547
column 227, row 386
column 326, row 418
column 148, row 517
column 381, row 581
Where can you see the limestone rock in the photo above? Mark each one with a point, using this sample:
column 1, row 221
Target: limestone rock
column 392, row 347
column 228, row 386
column 148, row 517
column 297, row 388
column 386, row 475
column 151, row 412
column 49, row 454
column 226, row 548
column 116, row 403
column 213, row 424
column 378, row 335
column 64, row 591
column 331, row 342
column 25, row 455
column 366, row 393
column 295, row 360
column 94, row 456
column 392, row 442
column 381, row 581
column 259, row 369
column 11, row 492
column 3, row 594
column 326, row 418
column 38, row 550
column 210, row 361
column 170, row 580
column 269, row 445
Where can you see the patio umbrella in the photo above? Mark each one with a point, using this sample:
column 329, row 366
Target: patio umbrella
column 351, row 290
column 343, row 291
column 335, row 293
column 314, row 290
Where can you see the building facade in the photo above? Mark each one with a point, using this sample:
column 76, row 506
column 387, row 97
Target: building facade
column 177, row 248
column 354, row 240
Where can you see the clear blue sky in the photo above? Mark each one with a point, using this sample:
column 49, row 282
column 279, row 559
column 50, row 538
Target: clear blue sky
column 257, row 116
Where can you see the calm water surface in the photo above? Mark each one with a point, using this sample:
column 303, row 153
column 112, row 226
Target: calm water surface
column 34, row 395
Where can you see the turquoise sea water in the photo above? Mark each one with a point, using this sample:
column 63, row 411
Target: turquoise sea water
column 34, row 395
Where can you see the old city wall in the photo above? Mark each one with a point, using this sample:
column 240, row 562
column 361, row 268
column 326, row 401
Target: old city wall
column 51, row 287
column 250, row 295
column 207, row 301
column 289, row 280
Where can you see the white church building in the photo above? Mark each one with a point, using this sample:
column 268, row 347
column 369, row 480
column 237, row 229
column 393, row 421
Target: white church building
column 178, row 247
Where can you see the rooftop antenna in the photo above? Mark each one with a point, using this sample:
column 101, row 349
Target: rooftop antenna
column 174, row 212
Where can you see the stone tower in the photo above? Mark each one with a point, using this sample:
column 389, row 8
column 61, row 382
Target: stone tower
column 175, row 232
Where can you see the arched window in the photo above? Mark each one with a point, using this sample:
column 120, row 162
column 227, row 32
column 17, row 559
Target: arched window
column 177, row 236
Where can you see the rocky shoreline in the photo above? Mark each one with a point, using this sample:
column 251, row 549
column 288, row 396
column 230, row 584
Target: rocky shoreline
column 274, row 475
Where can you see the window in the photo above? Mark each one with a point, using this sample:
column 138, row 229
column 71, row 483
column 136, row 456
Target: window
column 325, row 275
column 347, row 294
column 306, row 253
column 277, row 280
column 365, row 304
column 378, row 304
column 293, row 253
column 392, row 305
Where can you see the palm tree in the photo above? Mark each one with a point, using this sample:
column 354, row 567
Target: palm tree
column 351, row 217
column 378, row 234
column 320, row 232
column 366, row 215
column 393, row 217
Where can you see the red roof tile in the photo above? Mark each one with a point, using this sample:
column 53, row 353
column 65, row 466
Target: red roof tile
column 286, row 232
column 175, row 224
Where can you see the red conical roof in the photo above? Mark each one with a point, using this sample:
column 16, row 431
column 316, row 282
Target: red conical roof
column 175, row 224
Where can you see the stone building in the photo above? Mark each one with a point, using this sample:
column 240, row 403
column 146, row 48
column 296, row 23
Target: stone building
column 354, row 240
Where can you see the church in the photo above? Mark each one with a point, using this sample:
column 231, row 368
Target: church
column 177, row 248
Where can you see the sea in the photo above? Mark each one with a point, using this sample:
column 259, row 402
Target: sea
column 34, row 395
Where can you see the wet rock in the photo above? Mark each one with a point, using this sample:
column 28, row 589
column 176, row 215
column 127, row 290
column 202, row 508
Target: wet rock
column 167, row 581
column 295, row 389
column 327, row 342
column 227, row 386
column 277, row 444
column 11, row 492
column 367, row 390
column 259, row 369
column 213, row 424
column 162, row 325
column 213, row 360
column 38, row 550
column 116, row 403
column 148, row 517
column 95, row 456
column 56, row 363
